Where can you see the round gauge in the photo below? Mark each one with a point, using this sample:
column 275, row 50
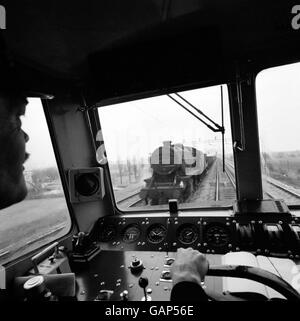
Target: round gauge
column 187, row 234
column 156, row 233
column 217, row 236
column 107, row 234
column 131, row 234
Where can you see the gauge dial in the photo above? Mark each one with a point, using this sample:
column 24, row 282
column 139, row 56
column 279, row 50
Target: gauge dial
column 187, row 234
column 131, row 234
column 156, row 233
column 107, row 234
column 217, row 236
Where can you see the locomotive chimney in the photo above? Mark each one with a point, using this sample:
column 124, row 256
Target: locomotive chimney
column 166, row 151
column 167, row 143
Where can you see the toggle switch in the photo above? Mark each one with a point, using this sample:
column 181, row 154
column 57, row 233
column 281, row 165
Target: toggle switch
column 124, row 295
column 166, row 276
column 104, row 295
column 169, row 262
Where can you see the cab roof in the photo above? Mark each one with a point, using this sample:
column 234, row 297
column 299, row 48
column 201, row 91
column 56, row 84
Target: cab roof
column 119, row 49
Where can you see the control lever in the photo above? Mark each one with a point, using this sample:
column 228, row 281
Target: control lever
column 38, row 256
column 143, row 282
column 84, row 249
column 80, row 242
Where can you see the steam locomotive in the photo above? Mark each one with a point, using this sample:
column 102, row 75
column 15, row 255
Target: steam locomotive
column 176, row 173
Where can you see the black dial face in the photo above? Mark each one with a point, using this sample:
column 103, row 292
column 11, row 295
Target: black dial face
column 217, row 236
column 107, row 234
column 156, row 233
column 131, row 234
column 187, row 234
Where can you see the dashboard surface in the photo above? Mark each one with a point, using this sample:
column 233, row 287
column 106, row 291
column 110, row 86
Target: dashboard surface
column 134, row 245
column 109, row 273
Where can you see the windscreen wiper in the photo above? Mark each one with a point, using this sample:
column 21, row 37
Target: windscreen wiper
column 215, row 129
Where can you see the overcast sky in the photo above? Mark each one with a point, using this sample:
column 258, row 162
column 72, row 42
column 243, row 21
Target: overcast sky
column 39, row 145
column 278, row 100
column 136, row 128
column 139, row 127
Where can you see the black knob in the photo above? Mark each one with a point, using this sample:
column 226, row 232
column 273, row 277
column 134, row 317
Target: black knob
column 143, row 282
column 36, row 290
column 136, row 266
column 136, row 262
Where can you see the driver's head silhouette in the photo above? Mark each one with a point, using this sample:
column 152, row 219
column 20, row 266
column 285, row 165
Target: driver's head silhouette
column 13, row 102
column 12, row 143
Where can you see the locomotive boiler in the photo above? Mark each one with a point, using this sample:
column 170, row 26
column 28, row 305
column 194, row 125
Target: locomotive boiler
column 176, row 173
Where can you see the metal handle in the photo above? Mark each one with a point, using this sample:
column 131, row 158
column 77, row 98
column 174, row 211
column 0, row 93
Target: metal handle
column 256, row 274
column 35, row 258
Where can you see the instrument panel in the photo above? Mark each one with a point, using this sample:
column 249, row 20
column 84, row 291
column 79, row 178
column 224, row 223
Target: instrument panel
column 277, row 236
column 156, row 233
column 187, row 234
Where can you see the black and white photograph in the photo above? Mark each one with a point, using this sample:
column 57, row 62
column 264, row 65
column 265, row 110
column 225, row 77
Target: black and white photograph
column 149, row 154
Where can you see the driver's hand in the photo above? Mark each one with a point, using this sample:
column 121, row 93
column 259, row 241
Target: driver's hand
column 189, row 265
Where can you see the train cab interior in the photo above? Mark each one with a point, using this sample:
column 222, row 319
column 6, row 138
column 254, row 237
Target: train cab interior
column 154, row 125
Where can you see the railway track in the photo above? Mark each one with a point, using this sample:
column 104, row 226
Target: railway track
column 130, row 201
column 127, row 198
column 230, row 175
column 218, row 186
column 272, row 188
column 215, row 187
column 277, row 190
column 225, row 183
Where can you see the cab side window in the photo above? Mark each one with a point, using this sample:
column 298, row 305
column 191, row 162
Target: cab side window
column 43, row 216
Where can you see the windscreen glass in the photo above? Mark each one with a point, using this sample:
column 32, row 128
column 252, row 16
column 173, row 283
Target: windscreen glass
column 278, row 105
column 43, row 215
column 158, row 150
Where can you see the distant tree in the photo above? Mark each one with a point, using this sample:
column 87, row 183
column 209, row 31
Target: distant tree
column 266, row 156
column 142, row 165
column 137, row 168
column 271, row 167
column 129, row 166
column 120, row 169
column 51, row 174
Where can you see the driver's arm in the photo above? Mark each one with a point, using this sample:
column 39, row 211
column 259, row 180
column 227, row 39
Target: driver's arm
column 188, row 270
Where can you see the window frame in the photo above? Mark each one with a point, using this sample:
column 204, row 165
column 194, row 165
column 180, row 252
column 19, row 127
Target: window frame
column 291, row 207
column 96, row 126
column 66, row 238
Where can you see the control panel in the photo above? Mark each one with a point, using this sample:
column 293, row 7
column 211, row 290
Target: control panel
column 265, row 234
column 132, row 276
column 136, row 252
